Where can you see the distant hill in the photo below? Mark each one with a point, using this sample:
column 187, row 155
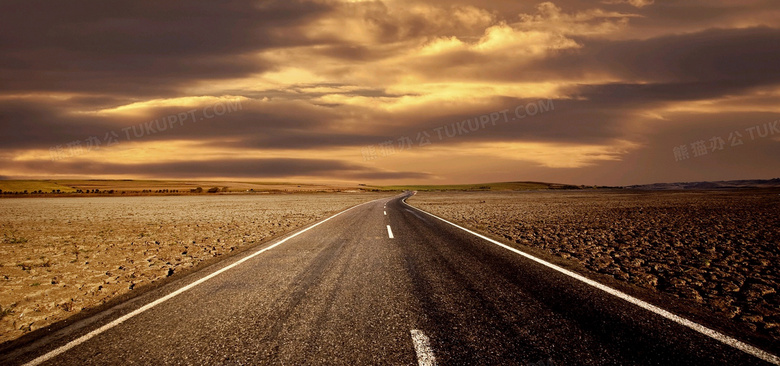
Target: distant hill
column 501, row 186
column 727, row 184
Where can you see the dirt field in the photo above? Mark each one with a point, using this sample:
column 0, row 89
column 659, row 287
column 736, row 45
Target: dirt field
column 59, row 256
column 720, row 249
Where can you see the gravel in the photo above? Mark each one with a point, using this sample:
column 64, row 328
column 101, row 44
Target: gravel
column 718, row 249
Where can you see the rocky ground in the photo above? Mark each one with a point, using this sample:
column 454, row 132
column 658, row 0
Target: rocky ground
column 59, row 256
column 720, row 249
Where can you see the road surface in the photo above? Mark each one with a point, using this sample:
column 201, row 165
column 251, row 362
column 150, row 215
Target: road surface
column 381, row 283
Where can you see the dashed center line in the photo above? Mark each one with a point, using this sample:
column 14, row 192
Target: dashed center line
column 389, row 232
column 422, row 345
column 385, row 213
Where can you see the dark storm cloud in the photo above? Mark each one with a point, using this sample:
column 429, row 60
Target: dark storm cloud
column 52, row 125
column 141, row 47
column 96, row 102
column 623, row 95
column 725, row 55
column 352, row 52
column 565, row 121
column 734, row 57
column 239, row 168
column 297, row 126
column 685, row 16
column 259, row 125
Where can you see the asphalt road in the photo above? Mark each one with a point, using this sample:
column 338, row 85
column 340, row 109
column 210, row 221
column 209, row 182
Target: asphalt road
column 345, row 292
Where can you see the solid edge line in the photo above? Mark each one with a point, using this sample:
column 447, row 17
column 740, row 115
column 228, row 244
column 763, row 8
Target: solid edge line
column 422, row 346
column 64, row 348
column 733, row 342
column 389, row 232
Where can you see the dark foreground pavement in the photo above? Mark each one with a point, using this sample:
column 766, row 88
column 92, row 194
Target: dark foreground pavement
column 344, row 292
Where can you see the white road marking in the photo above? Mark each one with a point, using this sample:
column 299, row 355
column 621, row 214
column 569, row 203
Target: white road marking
column 389, row 232
column 733, row 342
column 163, row 299
column 385, row 213
column 422, row 345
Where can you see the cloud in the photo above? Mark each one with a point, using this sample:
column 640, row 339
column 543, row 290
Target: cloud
column 318, row 80
column 232, row 168
column 636, row 3
column 270, row 124
column 734, row 58
column 381, row 22
column 589, row 22
column 150, row 49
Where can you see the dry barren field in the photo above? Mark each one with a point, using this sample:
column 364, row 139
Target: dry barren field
column 59, row 256
column 720, row 249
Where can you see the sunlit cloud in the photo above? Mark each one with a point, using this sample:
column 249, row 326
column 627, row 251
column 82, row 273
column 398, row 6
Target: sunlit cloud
column 551, row 18
column 183, row 102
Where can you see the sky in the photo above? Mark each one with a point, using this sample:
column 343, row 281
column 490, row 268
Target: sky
column 615, row 92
